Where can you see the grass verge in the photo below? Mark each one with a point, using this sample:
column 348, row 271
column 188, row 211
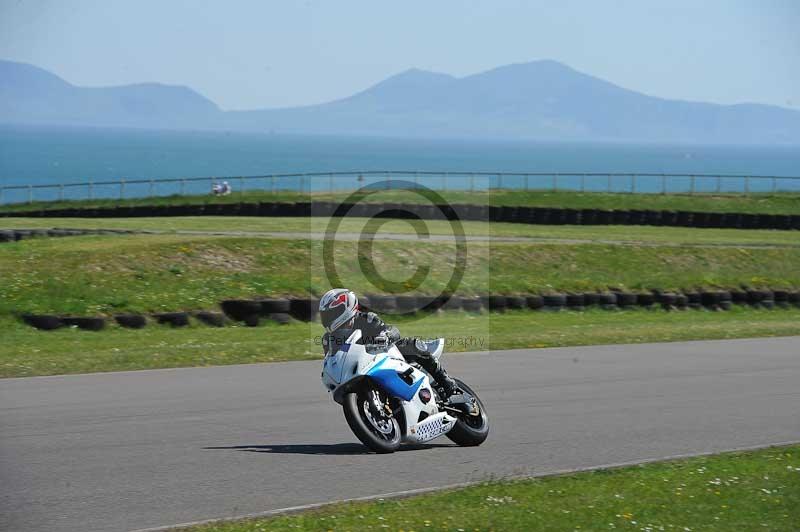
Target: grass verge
column 754, row 490
column 777, row 203
column 250, row 224
column 93, row 275
column 27, row 352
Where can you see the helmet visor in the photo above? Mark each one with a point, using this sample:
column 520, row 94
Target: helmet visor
column 330, row 315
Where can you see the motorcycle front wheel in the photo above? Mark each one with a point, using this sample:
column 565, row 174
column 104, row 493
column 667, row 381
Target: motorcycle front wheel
column 380, row 433
column 470, row 430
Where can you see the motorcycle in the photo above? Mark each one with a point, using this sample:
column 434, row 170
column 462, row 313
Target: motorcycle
column 388, row 401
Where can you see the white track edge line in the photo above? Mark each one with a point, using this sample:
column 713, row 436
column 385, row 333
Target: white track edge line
column 420, row 491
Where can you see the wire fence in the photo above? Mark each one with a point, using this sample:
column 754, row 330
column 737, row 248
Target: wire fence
column 320, row 182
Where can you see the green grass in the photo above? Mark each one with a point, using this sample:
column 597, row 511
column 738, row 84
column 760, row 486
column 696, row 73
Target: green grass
column 756, row 490
column 247, row 224
column 107, row 274
column 25, row 351
column 778, row 203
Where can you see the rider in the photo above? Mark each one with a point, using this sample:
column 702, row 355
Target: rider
column 339, row 309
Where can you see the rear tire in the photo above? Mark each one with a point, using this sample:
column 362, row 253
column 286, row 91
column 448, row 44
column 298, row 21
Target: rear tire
column 470, row 431
column 364, row 429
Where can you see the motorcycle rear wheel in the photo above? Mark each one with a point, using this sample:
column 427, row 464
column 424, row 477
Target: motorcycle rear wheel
column 470, row 431
column 380, row 435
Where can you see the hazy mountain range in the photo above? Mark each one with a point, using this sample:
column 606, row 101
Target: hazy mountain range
column 539, row 100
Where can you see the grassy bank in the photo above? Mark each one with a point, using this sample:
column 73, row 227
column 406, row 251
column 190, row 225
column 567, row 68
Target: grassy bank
column 756, row 490
column 145, row 273
column 107, row 274
column 249, row 224
column 778, row 203
column 26, row 352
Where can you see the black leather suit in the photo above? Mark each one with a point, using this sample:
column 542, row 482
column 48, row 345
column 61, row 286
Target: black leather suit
column 372, row 327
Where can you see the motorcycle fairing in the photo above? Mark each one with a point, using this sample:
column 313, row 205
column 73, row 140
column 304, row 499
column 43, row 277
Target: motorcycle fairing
column 386, row 372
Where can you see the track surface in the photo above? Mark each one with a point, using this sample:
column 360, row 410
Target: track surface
column 122, row 451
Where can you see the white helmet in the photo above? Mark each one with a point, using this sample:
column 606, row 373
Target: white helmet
column 337, row 307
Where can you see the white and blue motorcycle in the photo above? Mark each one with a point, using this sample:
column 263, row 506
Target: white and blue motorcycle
column 388, row 401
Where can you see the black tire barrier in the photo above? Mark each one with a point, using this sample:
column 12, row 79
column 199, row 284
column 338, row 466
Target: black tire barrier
column 780, row 296
column 607, row 300
column 681, row 301
column 130, row 321
column 43, row 322
column 554, row 301
column 645, row 299
column 406, row 304
column 240, row 309
column 794, row 298
column 472, row 304
column 591, row 299
column 304, row 309
column 575, row 301
column 694, row 300
column 756, row 297
column 275, row 305
column 174, row 319
column 454, row 303
column 709, row 299
column 364, row 304
column 534, row 302
column 280, row 318
column 739, row 297
column 253, row 320
column 497, row 303
column 626, row 299
column 667, row 300
column 212, row 319
column 516, row 302
column 84, row 323
column 7, row 236
column 383, row 304
column 511, row 214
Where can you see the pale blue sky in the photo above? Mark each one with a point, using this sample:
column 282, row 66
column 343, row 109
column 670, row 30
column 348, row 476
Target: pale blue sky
column 250, row 54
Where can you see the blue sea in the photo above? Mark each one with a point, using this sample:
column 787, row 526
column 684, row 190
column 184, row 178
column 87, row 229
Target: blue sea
column 53, row 156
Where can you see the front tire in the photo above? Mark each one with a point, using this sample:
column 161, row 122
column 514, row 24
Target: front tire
column 469, row 430
column 380, row 435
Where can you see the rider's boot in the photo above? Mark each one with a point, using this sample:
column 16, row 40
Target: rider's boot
column 443, row 380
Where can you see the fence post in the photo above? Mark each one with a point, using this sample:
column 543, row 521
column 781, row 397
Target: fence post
column 692, row 189
column 241, row 186
column 472, row 182
column 183, row 187
column 663, row 184
column 583, row 183
column 30, row 194
column 774, row 186
column 152, row 189
column 526, row 182
column 61, row 192
column 121, row 188
column 719, row 184
column 91, row 190
column 747, row 185
column 633, row 184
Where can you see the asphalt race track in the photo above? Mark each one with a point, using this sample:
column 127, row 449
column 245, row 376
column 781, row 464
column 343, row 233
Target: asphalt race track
column 123, row 451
